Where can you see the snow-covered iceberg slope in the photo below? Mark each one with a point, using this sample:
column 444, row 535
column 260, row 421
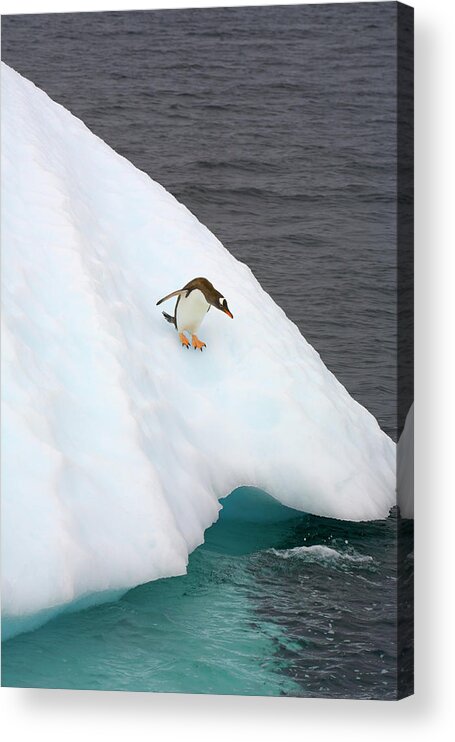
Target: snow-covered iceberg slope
column 117, row 442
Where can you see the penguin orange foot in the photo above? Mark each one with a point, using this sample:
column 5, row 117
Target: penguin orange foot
column 196, row 343
column 184, row 340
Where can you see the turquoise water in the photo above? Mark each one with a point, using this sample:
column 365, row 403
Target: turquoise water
column 274, row 603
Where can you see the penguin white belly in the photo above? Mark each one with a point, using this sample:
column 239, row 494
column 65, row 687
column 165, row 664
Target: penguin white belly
column 191, row 311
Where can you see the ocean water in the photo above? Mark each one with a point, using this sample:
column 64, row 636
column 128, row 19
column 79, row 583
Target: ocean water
column 274, row 603
column 277, row 127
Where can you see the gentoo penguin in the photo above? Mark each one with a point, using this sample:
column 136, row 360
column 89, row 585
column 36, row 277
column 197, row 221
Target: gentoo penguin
column 193, row 303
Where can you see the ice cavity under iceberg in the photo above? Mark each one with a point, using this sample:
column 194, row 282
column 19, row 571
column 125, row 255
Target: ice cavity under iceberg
column 117, row 442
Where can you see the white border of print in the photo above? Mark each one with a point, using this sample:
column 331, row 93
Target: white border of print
column 76, row 715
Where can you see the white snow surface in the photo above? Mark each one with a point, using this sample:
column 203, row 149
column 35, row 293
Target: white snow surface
column 117, row 441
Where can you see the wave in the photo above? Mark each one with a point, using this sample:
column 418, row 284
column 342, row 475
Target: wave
column 320, row 552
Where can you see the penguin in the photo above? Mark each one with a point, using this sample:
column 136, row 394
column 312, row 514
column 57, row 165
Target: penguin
column 193, row 303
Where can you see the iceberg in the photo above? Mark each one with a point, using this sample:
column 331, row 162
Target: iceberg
column 117, row 443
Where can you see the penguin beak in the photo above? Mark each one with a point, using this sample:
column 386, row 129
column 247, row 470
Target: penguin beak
column 229, row 314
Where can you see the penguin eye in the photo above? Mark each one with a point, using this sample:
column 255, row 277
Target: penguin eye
column 222, row 300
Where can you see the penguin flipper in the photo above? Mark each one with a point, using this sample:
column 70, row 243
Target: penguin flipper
column 170, row 319
column 169, row 296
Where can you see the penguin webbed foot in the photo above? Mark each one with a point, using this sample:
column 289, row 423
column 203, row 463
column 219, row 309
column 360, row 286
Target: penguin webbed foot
column 184, row 340
column 197, row 344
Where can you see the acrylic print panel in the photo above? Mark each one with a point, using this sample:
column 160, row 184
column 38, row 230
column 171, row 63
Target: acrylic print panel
column 208, row 504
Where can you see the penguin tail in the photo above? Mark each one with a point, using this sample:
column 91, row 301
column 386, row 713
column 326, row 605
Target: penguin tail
column 170, row 319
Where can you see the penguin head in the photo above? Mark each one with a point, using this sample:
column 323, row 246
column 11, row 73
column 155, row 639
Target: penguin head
column 221, row 303
column 212, row 296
